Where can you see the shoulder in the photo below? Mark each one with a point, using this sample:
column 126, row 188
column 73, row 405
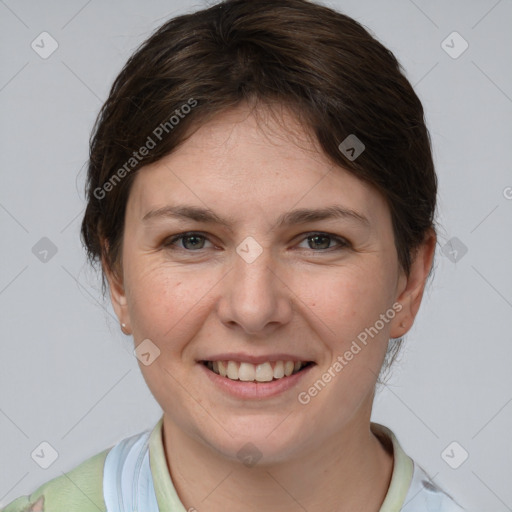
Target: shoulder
column 411, row 489
column 424, row 494
column 78, row 489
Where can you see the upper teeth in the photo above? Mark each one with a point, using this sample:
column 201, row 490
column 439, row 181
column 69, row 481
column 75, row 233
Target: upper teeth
column 263, row 372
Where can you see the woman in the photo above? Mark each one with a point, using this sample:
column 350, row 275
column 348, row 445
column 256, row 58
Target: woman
column 261, row 196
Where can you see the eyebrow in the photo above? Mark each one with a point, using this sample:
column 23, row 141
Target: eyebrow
column 299, row 216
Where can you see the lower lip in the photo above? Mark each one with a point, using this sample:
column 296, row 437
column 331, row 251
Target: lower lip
column 255, row 390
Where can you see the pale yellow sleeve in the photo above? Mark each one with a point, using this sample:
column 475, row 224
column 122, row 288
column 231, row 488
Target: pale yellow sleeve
column 78, row 489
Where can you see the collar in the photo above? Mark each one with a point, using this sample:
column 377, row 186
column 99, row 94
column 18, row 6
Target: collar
column 168, row 499
column 403, row 468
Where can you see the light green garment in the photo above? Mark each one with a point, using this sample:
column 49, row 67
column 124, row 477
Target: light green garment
column 82, row 488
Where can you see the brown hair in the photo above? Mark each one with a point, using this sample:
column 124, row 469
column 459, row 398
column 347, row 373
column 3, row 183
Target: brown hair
column 324, row 66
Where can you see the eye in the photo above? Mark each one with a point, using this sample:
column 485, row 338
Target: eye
column 195, row 241
column 323, row 239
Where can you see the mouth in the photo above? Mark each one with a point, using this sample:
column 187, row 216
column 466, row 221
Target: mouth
column 268, row 371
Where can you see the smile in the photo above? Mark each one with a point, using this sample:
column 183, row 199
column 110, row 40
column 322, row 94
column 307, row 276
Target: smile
column 263, row 372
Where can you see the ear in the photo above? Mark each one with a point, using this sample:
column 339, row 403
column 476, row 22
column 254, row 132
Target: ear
column 410, row 289
column 117, row 291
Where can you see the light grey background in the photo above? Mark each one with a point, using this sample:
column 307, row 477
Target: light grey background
column 67, row 373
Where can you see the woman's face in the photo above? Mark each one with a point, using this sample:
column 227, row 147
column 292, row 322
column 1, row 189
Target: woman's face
column 260, row 283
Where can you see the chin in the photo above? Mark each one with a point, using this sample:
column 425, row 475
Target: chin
column 262, row 440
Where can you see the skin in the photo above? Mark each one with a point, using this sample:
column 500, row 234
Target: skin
column 300, row 296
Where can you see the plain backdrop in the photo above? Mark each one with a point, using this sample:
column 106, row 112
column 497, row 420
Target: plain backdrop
column 67, row 374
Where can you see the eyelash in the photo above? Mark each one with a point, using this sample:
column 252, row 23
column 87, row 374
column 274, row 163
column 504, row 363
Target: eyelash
column 169, row 243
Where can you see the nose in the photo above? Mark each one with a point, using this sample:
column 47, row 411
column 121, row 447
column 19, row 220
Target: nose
column 255, row 297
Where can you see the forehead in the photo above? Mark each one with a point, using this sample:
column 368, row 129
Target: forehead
column 251, row 162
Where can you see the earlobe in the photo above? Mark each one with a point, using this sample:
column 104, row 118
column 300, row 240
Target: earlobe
column 410, row 288
column 117, row 294
column 119, row 302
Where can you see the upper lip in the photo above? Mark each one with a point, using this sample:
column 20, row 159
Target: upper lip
column 248, row 358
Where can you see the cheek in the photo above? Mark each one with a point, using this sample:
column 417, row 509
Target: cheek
column 347, row 300
column 166, row 304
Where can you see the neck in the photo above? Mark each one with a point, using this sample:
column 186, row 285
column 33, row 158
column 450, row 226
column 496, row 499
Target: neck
column 350, row 470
